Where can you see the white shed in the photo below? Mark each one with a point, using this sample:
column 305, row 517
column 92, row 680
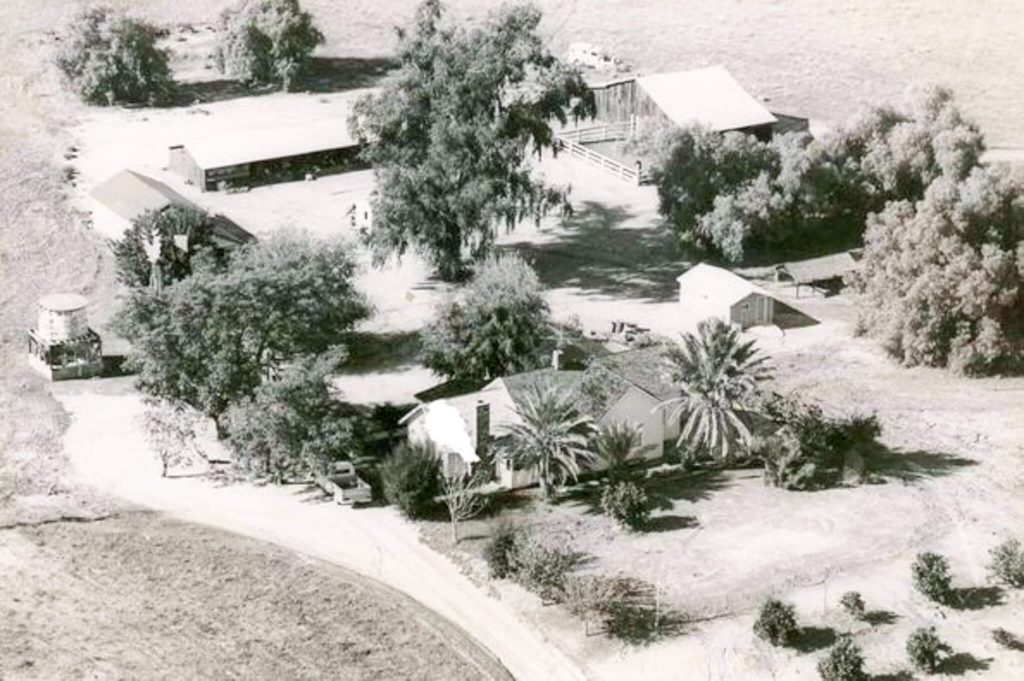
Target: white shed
column 708, row 291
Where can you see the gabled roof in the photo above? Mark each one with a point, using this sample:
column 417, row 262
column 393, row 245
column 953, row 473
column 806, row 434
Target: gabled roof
column 709, row 96
column 518, row 385
column 645, row 368
column 821, row 269
column 130, row 194
column 706, row 284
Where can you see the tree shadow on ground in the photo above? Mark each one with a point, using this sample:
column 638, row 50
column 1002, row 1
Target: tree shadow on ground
column 977, row 598
column 372, row 352
column 595, row 252
column 325, row 75
column 665, row 488
column 811, row 639
column 877, row 618
column 961, row 663
column 883, row 462
column 670, row 523
column 894, row 676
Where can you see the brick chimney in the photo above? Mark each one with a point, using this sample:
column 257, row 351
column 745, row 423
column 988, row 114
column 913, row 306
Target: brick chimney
column 483, row 426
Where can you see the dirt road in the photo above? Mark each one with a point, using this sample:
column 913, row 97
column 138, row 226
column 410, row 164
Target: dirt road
column 107, row 448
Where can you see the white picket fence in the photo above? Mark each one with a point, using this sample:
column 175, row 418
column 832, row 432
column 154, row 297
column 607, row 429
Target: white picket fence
column 607, row 132
column 573, row 141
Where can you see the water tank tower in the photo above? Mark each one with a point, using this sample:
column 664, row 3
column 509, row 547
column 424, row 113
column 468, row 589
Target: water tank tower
column 62, row 345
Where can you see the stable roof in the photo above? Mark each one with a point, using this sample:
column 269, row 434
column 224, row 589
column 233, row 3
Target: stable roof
column 267, row 144
column 707, row 283
column 708, row 96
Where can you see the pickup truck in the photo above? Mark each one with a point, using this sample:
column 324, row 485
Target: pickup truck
column 344, row 484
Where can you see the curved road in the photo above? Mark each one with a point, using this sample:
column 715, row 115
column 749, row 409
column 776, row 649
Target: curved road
column 107, row 448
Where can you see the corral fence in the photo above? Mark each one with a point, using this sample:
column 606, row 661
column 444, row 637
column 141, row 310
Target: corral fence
column 575, row 140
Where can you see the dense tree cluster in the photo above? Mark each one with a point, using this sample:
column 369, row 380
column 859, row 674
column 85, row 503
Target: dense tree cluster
column 493, row 327
column 267, row 42
column 737, row 196
column 110, row 58
column 210, row 339
column 191, row 226
column 448, row 136
column 292, row 426
column 942, row 282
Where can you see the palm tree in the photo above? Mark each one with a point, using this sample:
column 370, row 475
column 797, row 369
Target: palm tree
column 616, row 445
column 552, row 437
column 718, row 374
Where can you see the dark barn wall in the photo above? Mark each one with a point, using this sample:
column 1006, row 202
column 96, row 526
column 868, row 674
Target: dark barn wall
column 615, row 101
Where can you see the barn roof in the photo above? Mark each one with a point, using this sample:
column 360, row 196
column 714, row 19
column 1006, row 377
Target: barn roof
column 130, row 194
column 709, row 96
column 709, row 284
column 821, row 269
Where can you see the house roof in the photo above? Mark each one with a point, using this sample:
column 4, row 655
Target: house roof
column 518, row 385
column 645, row 368
column 709, row 96
column 821, row 269
column 705, row 284
column 130, row 194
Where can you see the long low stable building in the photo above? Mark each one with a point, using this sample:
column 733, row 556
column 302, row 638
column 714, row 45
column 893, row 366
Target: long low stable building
column 267, row 156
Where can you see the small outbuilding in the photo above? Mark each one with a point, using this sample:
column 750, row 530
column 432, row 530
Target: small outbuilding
column 121, row 199
column 708, row 291
column 824, row 273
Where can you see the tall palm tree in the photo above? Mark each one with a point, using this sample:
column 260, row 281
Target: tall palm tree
column 616, row 446
column 553, row 436
column 718, row 374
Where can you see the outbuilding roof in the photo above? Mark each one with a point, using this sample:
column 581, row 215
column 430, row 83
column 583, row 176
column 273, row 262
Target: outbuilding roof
column 704, row 283
column 821, row 269
column 708, row 96
column 267, row 144
column 130, row 194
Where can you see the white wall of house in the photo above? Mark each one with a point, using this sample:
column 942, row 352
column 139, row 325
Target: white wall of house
column 638, row 408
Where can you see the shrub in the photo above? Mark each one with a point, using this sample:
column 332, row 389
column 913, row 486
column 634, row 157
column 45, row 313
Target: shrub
column 776, row 622
column 1007, row 639
column 844, row 662
column 499, row 552
column 926, row 650
column 111, row 59
column 621, row 605
column 412, row 479
column 931, row 577
column 785, row 463
column 1007, row 564
column 542, row 569
column 267, row 42
column 626, row 503
column 853, row 604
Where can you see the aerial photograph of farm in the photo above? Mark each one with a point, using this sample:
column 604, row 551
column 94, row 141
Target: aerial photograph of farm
column 536, row 340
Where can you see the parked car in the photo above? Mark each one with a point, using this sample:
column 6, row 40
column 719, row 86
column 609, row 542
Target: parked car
column 342, row 481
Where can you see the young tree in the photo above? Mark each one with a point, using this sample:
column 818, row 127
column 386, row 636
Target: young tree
column 171, row 430
column 493, row 328
column 412, row 479
column 448, row 136
column 718, row 374
column 111, row 59
column 942, row 280
column 462, row 498
column 267, row 42
column 292, row 426
column 552, row 438
column 191, row 226
column 617, row 446
column 209, row 339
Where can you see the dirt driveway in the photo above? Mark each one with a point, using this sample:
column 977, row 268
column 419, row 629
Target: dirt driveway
column 107, row 448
